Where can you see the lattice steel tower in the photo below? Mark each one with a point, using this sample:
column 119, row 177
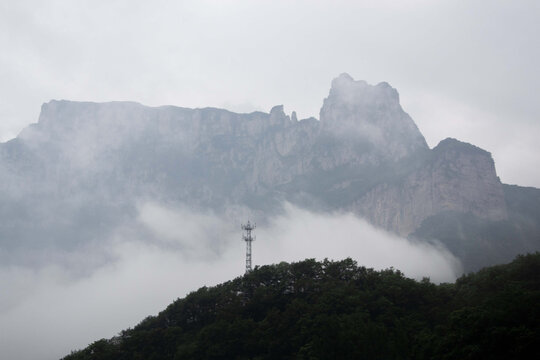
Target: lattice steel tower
column 248, row 239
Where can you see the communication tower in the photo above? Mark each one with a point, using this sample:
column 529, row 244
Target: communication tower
column 248, row 239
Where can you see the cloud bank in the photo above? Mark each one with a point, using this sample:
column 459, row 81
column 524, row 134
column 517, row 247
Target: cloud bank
column 168, row 252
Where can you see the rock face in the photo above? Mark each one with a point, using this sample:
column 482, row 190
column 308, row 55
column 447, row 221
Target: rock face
column 359, row 113
column 180, row 152
column 79, row 171
column 456, row 177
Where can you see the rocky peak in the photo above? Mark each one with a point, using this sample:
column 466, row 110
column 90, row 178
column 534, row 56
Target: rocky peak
column 278, row 116
column 457, row 177
column 370, row 116
column 454, row 146
column 277, row 110
column 452, row 158
column 346, row 91
column 468, row 179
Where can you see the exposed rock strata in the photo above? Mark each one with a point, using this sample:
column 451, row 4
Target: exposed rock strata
column 456, row 177
column 365, row 154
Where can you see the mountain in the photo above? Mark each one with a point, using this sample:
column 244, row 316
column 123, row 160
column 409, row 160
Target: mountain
column 72, row 178
column 338, row 310
column 456, row 177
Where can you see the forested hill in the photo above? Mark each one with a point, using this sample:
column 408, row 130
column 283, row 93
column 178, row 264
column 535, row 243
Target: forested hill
column 339, row 310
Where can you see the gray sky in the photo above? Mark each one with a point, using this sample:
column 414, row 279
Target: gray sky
column 464, row 69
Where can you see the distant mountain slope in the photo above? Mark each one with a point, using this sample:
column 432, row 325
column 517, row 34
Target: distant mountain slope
column 338, row 310
column 455, row 176
column 479, row 241
column 73, row 177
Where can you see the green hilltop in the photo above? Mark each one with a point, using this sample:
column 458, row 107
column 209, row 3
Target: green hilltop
column 339, row 310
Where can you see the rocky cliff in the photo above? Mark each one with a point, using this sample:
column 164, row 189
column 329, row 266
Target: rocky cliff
column 456, row 176
column 365, row 154
column 358, row 113
column 169, row 149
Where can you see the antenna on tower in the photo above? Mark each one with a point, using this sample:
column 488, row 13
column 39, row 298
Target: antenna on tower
column 248, row 239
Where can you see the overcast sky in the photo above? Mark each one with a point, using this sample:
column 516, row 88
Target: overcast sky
column 464, row 69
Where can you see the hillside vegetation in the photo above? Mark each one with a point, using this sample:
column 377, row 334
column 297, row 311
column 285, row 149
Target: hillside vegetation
column 339, row 310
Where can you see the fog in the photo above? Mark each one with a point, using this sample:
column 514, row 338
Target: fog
column 168, row 251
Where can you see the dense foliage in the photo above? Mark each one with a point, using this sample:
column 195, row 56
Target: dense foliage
column 338, row 310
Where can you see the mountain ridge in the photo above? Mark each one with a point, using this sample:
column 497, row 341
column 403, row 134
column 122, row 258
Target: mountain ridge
column 364, row 155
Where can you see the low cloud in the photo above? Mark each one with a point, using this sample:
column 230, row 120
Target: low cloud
column 170, row 251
